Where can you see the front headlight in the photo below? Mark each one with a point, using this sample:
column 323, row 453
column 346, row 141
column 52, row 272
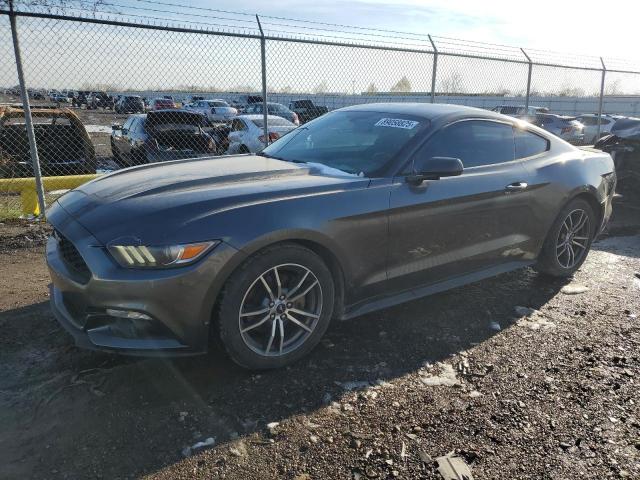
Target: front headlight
column 140, row 256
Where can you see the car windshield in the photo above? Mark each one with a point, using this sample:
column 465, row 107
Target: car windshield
column 350, row 141
column 218, row 104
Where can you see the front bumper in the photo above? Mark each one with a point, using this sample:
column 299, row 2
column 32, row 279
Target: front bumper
column 178, row 302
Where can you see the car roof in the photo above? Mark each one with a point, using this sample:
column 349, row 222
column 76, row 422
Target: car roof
column 594, row 115
column 429, row 111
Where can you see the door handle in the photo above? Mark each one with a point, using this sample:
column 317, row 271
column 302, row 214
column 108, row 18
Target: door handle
column 516, row 186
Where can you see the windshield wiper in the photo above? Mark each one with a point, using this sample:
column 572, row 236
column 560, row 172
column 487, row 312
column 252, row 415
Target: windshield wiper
column 266, row 155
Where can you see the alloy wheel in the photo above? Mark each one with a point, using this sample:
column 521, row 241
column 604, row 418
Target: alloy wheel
column 280, row 310
column 573, row 238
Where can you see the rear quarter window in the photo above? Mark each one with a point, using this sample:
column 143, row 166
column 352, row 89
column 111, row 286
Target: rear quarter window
column 528, row 144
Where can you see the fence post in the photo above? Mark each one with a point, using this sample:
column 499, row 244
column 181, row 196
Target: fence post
column 434, row 71
column 604, row 71
column 263, row 56
column 33, row 148
column 526, row 100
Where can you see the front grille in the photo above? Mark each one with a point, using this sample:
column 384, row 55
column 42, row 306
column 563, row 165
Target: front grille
column 72, row 257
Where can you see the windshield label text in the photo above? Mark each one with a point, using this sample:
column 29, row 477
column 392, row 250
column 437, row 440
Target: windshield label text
column 396, row 123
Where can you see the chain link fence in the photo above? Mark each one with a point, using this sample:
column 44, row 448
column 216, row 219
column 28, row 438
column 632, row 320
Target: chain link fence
column 110, row 90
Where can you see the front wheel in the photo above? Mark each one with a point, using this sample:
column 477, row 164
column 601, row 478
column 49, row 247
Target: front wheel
column 276, row 307
column 569, row 240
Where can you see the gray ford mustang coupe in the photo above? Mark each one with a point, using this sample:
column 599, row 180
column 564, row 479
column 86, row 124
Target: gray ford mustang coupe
column 358, row 210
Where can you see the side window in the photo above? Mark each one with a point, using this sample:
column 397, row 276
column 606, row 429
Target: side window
column 529, row 144
column 127, row 124
column 237, row 126
column 475, row 142
column 137, row 125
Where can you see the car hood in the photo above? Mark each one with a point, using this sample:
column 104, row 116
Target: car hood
column 169, row 202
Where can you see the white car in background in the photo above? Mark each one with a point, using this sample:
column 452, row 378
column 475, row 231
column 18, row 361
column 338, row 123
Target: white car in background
column 214, row 110
column 247, row 132
column 590, row 122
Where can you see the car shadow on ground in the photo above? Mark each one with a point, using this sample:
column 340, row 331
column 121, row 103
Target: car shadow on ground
column 145, row 411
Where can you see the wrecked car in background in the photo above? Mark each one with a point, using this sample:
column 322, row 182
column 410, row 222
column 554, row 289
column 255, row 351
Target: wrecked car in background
column 566, row 128
column 161, row 135
column 623, row 144
column 64, row 146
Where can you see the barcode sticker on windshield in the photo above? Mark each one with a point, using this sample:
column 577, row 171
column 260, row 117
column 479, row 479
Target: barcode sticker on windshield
column 396, row 123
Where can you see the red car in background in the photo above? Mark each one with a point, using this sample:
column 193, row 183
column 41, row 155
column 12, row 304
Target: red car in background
column 161, row 104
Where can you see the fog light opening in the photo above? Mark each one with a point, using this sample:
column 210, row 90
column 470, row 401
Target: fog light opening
column 128, row 314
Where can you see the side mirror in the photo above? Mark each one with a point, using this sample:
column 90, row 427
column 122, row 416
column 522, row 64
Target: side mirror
column 116, row 126
column 434, row 168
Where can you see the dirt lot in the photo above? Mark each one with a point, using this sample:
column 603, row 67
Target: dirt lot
column 552, row 394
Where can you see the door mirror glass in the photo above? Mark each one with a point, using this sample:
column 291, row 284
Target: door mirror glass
column 435, row 168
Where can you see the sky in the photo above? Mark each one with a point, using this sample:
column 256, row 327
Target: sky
column 83, row 56
column 587, row 27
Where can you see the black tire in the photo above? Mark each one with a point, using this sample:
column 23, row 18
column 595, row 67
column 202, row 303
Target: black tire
column 239, row 286
column 243, row 149
column 549, row 261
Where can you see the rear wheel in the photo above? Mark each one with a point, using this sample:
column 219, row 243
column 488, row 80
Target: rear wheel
column 243, row 149
column 569, row 240
column 276, row 307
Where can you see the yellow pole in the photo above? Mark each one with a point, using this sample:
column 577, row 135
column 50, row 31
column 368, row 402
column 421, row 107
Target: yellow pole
column 30, row 201
column 27, row 188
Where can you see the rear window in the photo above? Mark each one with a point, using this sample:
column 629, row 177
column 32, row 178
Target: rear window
column 276, row 108
column 157, row 119
column 273, row 122
column 625, row 123
column 529, row 144
column 509, row 110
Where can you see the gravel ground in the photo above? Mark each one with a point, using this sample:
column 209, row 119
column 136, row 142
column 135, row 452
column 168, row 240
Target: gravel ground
column 552, row 394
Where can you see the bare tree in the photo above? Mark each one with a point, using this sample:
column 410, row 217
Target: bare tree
column 402, row 85
column 321, row 88
column 569, row 91
column 58, row 6
column 371, row 89
column 614, row 88
column 452, row 84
